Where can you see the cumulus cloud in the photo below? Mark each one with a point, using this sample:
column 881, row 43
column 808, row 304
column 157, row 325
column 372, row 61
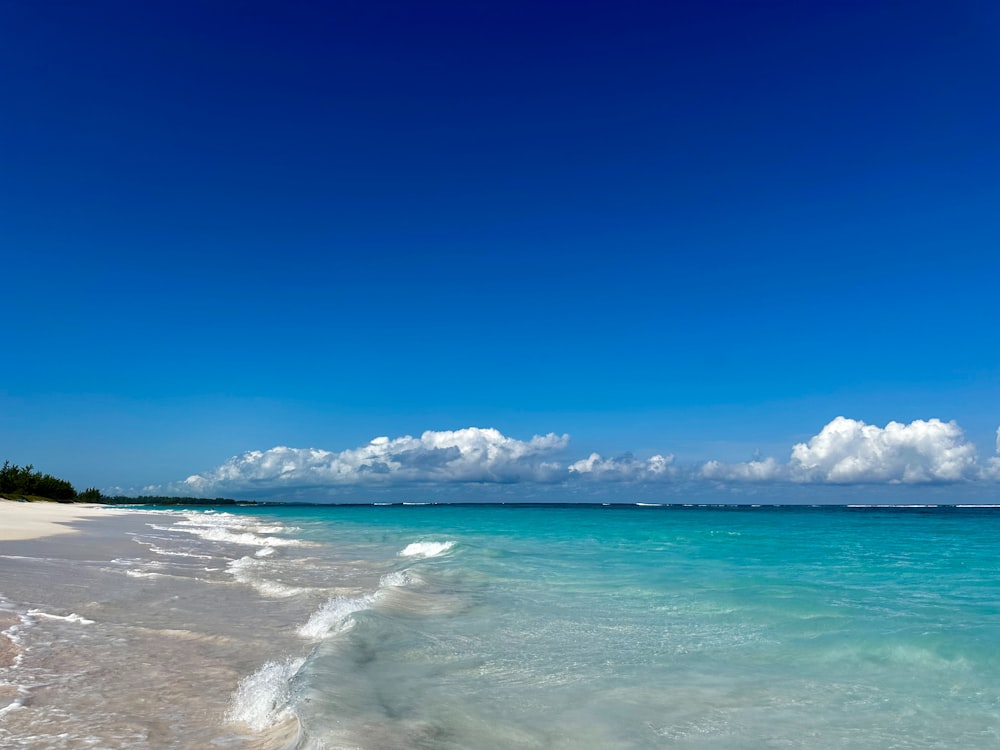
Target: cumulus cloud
column 473, row 454
column 751, row 471
column 991, row 469
column 624, row 468
column 845, row 451
column 848, row 451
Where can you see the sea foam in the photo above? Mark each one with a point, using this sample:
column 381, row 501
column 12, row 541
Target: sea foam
column 262, row 699
column 247, row 570
column 230, row 529
column 396, row 579
column 66, row 618
column 334, row 616
column 425, row 549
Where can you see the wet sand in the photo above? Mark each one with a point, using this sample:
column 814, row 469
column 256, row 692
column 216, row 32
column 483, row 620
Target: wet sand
column 104, row 643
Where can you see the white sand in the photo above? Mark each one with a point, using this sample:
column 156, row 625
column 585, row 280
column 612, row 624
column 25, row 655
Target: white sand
column 40, row 519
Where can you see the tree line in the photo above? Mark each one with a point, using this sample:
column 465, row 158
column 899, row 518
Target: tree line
column 24, row 480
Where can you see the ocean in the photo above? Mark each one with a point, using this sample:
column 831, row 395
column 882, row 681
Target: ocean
column 508, row 626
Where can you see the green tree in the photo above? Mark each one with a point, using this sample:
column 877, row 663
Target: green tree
column 17, row 480
column 90, row 495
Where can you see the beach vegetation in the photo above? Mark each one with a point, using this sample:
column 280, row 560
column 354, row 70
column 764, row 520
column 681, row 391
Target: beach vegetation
column 90, row 495
column 24, row 480
column 25, row 483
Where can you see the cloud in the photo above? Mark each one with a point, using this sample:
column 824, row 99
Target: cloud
column 624, row 468
column 848, row 451
column 470, row 455
column 991, row 469
column 845, row 451
column 752, row 471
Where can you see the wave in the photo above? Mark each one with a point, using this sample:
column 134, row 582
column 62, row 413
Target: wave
column 14, row 633
column 262, row 699
column 335, row 616
column 246, row 570
column 132, row 561
column 396, row 579
column 425, row 549
column 17, row 702
column 904, row 506
column 231, row 529
column 217, row 534
column 275, row 528
column 13, row 696
column 65, row 618
column 175, row 553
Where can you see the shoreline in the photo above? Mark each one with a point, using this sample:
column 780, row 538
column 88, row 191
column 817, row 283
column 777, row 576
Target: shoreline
column 87, row 592
column 24, row 521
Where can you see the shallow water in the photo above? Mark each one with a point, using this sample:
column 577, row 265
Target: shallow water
column 511, row 627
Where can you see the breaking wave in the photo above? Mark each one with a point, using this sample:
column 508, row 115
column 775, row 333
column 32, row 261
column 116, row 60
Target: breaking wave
column 247, row 570
column 263, row 699
column 66, row 618
column 426, row 549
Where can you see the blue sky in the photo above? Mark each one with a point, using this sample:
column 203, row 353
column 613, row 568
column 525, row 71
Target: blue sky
column 695, row 230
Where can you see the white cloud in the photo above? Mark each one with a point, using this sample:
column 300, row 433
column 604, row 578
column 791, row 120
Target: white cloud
column 624, row 468
column 991, row 469
column 845, row 451
column 470, row 455
column 848, row 451
column 752, row 471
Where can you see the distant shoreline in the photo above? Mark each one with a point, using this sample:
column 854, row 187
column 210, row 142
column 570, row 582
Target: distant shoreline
column 123, row 500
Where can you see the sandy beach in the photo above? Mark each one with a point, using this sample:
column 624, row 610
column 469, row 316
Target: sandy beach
column 20, row 521
column 116, row 633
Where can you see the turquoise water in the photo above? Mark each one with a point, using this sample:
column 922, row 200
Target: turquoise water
column 458, row 627
column 634, row 627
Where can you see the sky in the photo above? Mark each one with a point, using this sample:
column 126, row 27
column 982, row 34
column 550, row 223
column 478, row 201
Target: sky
column 457, row 250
